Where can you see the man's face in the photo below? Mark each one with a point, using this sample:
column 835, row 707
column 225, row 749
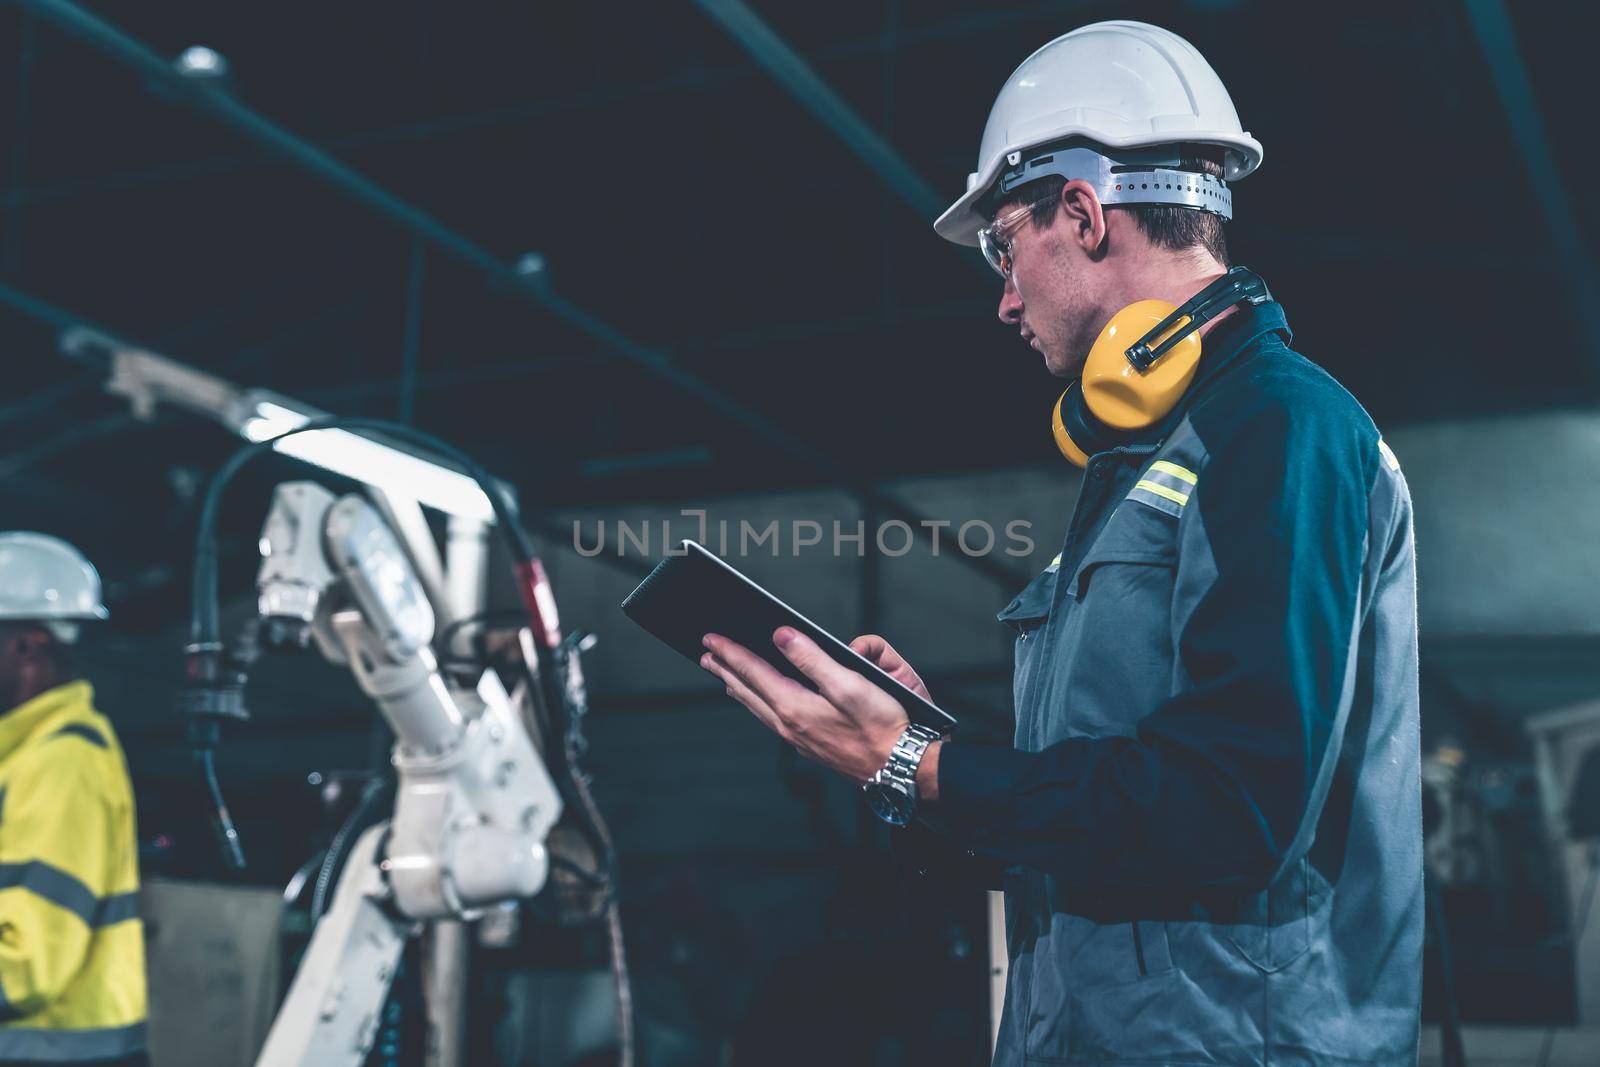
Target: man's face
column 11, row 667
column 1052, row 295
column 24, row 663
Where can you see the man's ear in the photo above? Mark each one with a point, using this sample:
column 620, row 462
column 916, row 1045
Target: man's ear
column 1085, row 216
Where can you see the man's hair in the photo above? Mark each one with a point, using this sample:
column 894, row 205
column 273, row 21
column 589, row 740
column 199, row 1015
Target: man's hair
column 1177, row 229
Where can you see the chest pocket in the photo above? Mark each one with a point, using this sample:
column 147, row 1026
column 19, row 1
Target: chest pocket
column 1114, row 628
column 1142, row 531
column 1133, row 537
column 1031, row 606
column 1118, row 557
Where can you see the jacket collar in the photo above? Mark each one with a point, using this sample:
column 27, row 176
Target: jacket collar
column 1237, row 333
column 1223, row 347
column 20, row 723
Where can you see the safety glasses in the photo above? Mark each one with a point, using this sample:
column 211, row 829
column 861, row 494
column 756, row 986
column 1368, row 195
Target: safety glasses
column 995, row 239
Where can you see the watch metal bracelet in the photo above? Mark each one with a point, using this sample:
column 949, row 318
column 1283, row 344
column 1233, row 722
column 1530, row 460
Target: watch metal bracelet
column 899, row 774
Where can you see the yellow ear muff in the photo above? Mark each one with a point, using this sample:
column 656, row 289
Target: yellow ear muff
column 1114, row 399
column 1117, row 392
column 1064, row 442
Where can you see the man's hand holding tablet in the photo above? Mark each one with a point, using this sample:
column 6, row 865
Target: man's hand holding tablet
column 846, row 706
column 848, row 724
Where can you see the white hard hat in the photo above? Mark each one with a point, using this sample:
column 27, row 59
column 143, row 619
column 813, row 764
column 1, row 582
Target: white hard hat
column 1121, row 85
column 44, row 579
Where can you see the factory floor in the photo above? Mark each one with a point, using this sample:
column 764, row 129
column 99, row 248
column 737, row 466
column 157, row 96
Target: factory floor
column 1518, row 1046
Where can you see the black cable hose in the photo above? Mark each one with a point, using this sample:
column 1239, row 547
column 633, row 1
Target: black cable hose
column 578, row 871
column 576, row 791
column 348, row 830
column 570, row 733
column 227, row 833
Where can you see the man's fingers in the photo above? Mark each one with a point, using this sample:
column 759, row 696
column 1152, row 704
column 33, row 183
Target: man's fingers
column 745, row 695
column 761, row 677
column 837, row 683
column 876, row 650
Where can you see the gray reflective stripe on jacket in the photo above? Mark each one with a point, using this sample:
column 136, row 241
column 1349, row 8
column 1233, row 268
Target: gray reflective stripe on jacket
column 70, row 1046
column 1213, row 806
column 65, row 891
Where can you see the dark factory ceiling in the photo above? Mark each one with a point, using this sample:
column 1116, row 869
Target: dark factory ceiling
column 680, row 195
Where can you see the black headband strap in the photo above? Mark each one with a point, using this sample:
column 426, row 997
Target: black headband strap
column 1240, row 285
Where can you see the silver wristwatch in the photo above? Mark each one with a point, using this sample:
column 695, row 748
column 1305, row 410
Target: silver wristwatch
column 892, row 792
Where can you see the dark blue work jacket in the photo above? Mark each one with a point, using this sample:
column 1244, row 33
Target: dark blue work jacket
column 1212, row 812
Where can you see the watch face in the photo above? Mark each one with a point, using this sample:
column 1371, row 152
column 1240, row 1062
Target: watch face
column 889, row 804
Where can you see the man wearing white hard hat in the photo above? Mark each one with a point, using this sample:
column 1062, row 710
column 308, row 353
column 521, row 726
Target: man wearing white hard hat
column 1208, row 825
column 72, row 970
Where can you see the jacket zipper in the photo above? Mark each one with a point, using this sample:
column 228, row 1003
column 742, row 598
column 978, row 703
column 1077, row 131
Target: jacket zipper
column 1138, row 948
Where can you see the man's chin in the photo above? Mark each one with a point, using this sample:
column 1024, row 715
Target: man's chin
column 1063, row 367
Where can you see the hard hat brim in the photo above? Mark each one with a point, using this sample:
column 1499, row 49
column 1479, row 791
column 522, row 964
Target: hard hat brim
column 962, row 220
column 99, row 614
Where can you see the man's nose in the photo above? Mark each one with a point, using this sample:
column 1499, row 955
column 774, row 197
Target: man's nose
column 1010, row 305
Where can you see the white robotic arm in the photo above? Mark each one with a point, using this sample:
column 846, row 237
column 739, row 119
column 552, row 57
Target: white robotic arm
column 474, row 802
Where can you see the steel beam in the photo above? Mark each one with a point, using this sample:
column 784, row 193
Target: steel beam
column 534, row 290
column 1497, row 38
column 791, row 71
column 690, row 79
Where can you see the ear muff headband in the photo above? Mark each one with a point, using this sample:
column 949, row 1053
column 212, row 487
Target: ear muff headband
column 1240, row 285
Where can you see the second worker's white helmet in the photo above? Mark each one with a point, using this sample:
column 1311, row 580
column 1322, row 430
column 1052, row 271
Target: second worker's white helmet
column 1125, row 86
column 43, row 579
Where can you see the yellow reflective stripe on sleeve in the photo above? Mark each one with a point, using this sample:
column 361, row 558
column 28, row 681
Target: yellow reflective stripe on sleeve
column 1162, row 491
column 1182, row 473
column 1388, row 455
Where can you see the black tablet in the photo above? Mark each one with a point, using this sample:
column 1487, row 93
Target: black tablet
column 690, row 595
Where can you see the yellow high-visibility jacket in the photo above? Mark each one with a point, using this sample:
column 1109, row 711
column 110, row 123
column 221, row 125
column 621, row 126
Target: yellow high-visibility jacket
column 72, row 977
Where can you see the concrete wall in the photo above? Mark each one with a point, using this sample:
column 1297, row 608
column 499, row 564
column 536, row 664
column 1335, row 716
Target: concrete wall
column 1508, row 523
